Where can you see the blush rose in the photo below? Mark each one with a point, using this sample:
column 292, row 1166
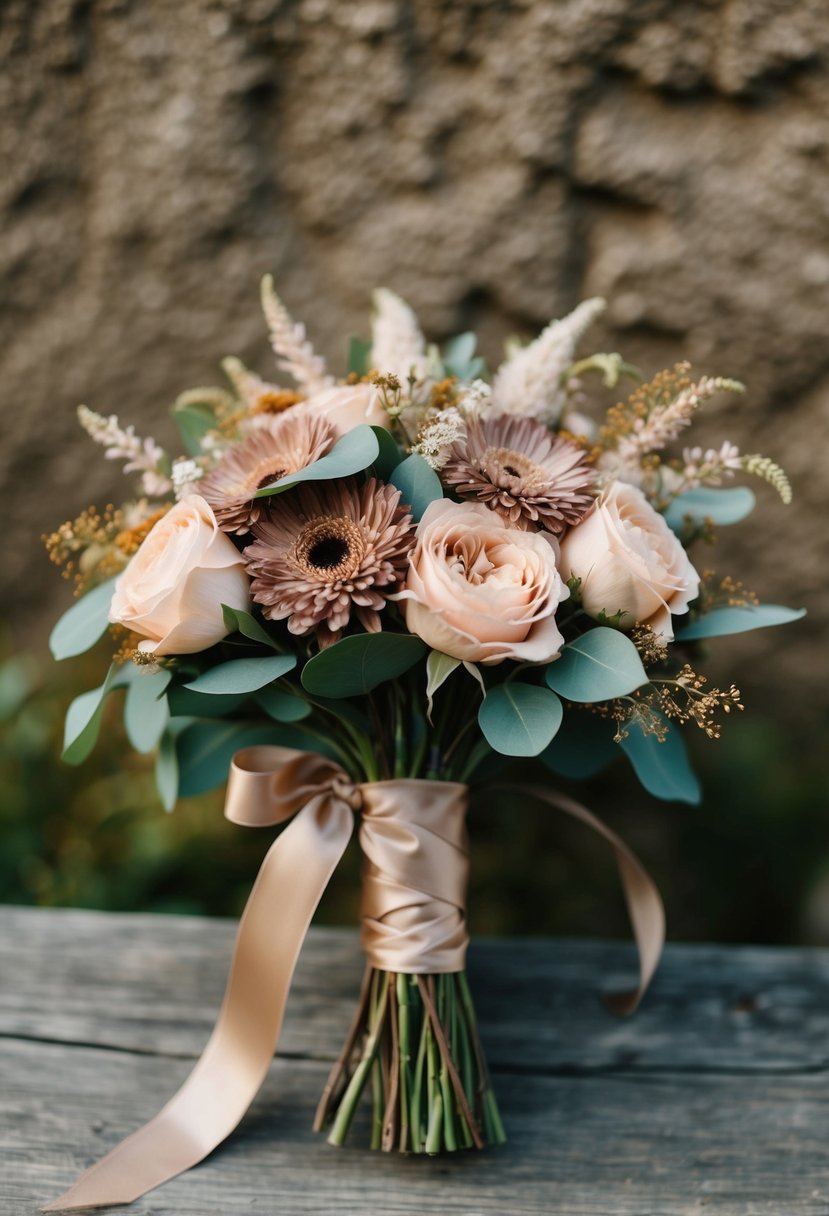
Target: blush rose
column 172, row 591
column 480, row 590
column 629, row 561
column 348, row 405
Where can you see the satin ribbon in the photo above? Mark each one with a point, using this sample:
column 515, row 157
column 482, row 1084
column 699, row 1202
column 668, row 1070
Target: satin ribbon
column 414, row 838
column 644, row 903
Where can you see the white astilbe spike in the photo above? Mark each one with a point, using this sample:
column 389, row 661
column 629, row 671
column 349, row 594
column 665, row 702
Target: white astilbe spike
column 708, row 467
column 530, row 382
column 398, row 347
column 143, row 456
column 248, row 386
column 667, row 422
column 294, row 353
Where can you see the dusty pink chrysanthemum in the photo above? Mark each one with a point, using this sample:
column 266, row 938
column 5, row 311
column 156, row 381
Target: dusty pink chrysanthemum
column 328, row 550
column 282, row 444
column 518, row 468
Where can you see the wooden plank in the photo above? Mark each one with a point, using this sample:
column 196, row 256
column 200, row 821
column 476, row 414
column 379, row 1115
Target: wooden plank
column 713, row 1098
column 154, row 983
column 579, row 1146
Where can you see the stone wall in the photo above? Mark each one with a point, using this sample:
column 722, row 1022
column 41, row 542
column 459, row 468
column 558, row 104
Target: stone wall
column 493, row 162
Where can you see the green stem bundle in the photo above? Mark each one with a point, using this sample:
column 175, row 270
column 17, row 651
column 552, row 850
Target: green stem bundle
column 413, row 1047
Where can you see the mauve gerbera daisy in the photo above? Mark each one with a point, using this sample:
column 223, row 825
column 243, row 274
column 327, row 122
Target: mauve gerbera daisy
column 518, row 468
column 327, row 551
column 282, row 444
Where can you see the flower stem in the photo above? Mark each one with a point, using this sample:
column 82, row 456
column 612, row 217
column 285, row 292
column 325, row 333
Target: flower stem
column 433, row 1098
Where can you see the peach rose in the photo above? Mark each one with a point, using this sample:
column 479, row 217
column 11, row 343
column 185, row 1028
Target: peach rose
column 348, row 405
column 629, row 561
column 480, row 590
column 173, row 589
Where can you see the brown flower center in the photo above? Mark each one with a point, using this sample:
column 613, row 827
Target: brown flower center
column 330, row 548
column 275, row 402
column 270, row 478
column 513, row 471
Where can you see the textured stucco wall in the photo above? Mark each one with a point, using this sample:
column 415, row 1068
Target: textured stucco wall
column 492, row 162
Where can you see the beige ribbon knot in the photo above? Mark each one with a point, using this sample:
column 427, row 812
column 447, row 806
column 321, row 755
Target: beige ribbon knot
column 413, row 835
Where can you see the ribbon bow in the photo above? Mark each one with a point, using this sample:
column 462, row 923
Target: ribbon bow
column 413, row 921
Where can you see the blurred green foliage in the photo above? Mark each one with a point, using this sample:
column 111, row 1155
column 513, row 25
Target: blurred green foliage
column 750, row 864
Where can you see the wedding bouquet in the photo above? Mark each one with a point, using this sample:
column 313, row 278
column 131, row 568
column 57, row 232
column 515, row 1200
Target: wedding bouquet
column 362, row 595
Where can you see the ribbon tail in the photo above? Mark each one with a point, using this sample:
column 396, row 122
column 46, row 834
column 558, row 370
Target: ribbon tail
column 645, row 908
column 219, row 1090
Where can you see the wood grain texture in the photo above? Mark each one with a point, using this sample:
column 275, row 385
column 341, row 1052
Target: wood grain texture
column 713, row 1098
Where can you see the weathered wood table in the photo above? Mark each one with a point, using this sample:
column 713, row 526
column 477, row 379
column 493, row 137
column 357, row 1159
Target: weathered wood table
column 713, row 1098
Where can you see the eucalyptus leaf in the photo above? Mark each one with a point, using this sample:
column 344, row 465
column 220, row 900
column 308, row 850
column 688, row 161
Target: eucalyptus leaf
column 598, row 666
column 184, row 702
column 146, row 711
column 84, row 623
column 723, row 507
column 459, row 357
column 417, row 482
column 242, row 675
column 359, row 353
column 194, row 420
column 520, row 719
column 355, row 451
column 239, row 621
column 583, row 747
column 283, row 706
column 720, row 622
column 389, row 455
column 204, row 750
column 166, row 770
column 357, row 664
column 663, row 768
column 83, row 717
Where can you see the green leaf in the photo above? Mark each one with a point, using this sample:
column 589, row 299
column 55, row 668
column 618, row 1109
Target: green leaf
column 721, row 506
column 18, row 680
column 184, row 702
column 166, row 770
column 83, row 718
column 146, row 711
column 583, row 747
column 283, row 706
column 359, row 352
column 720, row 622
column 204, row 749
column 238, row 621
column 194, row 420
column 357, row 664
column 84, row 623
column 390, row 455
column 598, row 666
column 439, row 668
column 459, row 357
column 355, row 451
column 663, row 768
column 520, row 719
column 417, row 482
column 242, row 675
